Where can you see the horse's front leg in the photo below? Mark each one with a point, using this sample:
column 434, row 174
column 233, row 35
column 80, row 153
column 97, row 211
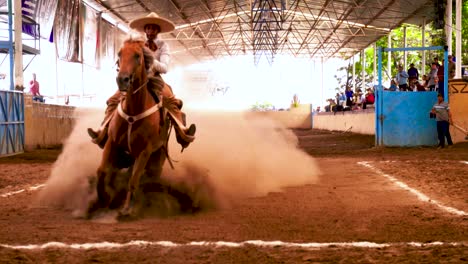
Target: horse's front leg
column 134, row 182
column 104, row 172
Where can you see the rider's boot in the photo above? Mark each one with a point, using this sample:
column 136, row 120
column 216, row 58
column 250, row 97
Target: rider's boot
column 98, row 137
column 186, row 136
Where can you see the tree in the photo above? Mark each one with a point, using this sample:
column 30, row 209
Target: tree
column 433, row 36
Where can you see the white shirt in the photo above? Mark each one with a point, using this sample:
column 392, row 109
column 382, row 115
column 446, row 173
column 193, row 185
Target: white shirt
column 162, row 57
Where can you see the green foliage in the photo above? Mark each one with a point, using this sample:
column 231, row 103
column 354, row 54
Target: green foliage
column 265, row 106
column 464, row 33
column 434, row 37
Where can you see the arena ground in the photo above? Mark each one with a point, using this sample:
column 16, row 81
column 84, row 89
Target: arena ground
column 370, row 205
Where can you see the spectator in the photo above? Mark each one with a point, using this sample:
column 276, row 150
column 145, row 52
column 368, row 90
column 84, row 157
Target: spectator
column 369, row 98
column 342, row 101
column 440, row 76
column 337, row 98
column 358, row 99
column 34, row 90
column 436, row 61
column 402, row 79
column 431, row 78
column 417, row 87
column 393, row 86
column 441, row 112
column 451, row 67
column 413, row 73
column 424, row 80
column 349, row 96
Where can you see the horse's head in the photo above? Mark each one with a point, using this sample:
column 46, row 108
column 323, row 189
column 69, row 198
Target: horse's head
column 134, row 61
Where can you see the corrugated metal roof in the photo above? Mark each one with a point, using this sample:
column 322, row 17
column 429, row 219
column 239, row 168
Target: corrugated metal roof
column 211, row 29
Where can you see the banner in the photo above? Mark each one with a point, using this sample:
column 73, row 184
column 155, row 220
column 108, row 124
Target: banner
column 41, row 12
column 67, row 30
column 89, row 24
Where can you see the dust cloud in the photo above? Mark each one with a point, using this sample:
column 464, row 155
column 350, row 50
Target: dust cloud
column 238, row 155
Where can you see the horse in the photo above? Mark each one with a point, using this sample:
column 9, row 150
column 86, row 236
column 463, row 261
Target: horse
column 139, row 128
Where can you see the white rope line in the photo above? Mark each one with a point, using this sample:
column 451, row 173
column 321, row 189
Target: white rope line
column 32, row 188
column 258, row 243
column 464, row 162
column 421, row 196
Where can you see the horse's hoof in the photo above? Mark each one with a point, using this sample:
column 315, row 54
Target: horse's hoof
column 125, row 214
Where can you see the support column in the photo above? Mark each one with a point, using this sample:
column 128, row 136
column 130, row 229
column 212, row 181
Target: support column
column 363, row 71
column 374, row 78
column 405, row 43
column 354, row 73
column 448, row 25
column 458, row 39
column 389, row 56
column 423, row 44
column 18, row 67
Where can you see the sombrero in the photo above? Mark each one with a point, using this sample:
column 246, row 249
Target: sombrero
column 139, row 23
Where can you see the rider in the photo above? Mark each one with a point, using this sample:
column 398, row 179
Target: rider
column 152, row 25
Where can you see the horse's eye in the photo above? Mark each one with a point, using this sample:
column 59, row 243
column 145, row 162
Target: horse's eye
column 137, row 57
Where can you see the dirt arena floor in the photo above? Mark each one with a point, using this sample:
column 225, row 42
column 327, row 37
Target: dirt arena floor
column 370, row 205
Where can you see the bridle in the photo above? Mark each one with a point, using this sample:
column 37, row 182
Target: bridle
column 132, row 119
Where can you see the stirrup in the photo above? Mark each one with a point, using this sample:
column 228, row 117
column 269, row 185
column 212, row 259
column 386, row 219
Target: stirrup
column 190, row 132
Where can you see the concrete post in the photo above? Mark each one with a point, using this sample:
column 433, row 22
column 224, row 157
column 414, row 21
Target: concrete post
column 18, row 24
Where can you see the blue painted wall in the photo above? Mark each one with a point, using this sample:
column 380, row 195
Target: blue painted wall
column 11, row 122
column 406, row 119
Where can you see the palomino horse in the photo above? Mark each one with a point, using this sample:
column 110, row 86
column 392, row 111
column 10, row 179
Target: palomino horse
column 139, row 128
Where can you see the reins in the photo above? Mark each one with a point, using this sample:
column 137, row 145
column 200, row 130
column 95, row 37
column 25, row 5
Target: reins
column 141, row 86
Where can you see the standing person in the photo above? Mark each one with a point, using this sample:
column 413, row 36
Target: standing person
column 349, row 96
column 451, row 67
column 413, row 73
column 440, row 77
column 436, row 61
column 34, row 90
column 443, row 117
column 152, row 25
column 432, row 78
column 402, row 79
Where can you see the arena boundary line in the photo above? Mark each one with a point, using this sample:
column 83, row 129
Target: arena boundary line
column 217, row 244
column 32, row 188
column 421, row 196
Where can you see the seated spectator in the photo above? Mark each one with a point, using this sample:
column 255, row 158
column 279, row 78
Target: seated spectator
column 393, row 86
column 369, row 98
column 328, row 107
column 417, row 87
column 34, row 90
column 424, row 80
column 358, row 100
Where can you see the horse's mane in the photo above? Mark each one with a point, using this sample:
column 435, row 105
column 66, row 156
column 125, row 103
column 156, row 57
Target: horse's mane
column 147, row 53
